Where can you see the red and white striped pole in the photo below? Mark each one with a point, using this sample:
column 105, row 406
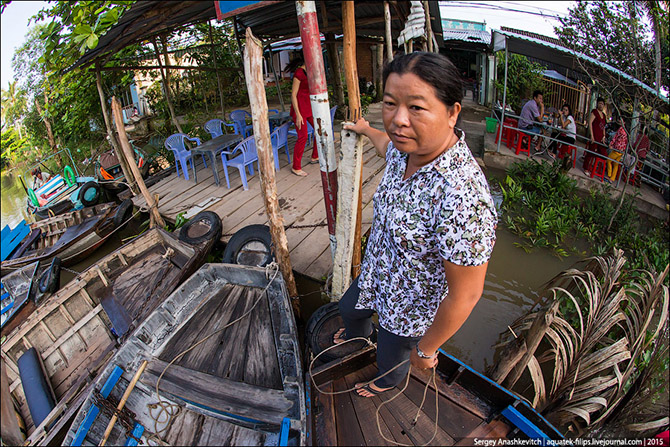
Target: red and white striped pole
column 316, row 75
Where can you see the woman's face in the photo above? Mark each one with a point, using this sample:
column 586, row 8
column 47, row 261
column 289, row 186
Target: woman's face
column 565, row 111
column 414, row 118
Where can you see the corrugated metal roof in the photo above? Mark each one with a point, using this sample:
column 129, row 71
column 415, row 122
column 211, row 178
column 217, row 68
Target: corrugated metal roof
column 467, row 35
column 613, row 72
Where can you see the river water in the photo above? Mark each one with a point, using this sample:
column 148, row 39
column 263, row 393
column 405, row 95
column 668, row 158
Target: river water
column 513, row 280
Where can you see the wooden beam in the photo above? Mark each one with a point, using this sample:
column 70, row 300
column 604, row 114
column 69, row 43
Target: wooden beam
column 351, row 76
column 171, row 67
column 125, row 145
column 253, row 73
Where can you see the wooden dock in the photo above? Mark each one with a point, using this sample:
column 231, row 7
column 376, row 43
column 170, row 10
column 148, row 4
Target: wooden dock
column 300, row 199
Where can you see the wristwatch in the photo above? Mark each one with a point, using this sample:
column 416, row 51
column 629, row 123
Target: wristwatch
column 422, row 354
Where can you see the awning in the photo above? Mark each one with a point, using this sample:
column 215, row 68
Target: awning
column 553, row 74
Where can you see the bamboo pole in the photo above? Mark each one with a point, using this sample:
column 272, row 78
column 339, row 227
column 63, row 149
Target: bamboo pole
column 166, row 85
column 122, row 403
column 125, row 145
column 112, row 138
column 387, row 25
column 253, row 73
column 429, row 27
column 351, row 76
column 218, row 78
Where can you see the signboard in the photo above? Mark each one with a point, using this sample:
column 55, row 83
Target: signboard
column 463, row 24
column 225, row 9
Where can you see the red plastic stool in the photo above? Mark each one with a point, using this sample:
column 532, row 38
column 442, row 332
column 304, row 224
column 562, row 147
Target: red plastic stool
column 519, row 144
column 505, row 132
column 599, row 169
column 565, row 149
column 512, row 135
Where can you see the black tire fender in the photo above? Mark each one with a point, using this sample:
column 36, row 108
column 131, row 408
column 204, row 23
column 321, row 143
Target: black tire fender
column 203, row 218
column 123, row 213
column 250, row 233
column 84, row 189
column 50, row 280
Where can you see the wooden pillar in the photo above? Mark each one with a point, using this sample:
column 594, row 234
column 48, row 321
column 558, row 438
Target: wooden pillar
column 125, row 146
column 274, row 73
column 335, row 68
column 253, row 72
column 166, row 85
column 112, row 138
column 318, row 89
column 218, row 77
column 429, row 27
column 388, row 39
column 351, row 76
column 380, row 69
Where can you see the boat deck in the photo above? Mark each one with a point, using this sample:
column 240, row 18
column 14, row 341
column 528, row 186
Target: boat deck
column 300, row 199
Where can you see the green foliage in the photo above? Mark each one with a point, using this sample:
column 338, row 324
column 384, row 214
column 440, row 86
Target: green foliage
column 12, row 145
column 541, row 204
column 523, row 77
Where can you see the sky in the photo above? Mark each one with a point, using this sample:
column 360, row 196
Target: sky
column 15, row 20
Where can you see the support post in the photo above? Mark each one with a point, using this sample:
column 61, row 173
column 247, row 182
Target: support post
column 429, row 27
column 504, row 104
column 166, row 84
column 388, row 39
column 380, row 68
column 335, row 67
column 112, row 138
column 216, row 68
column 274, row 72
column 311, row 48
column 125, row 145
column 253, row 73
column 351, row 76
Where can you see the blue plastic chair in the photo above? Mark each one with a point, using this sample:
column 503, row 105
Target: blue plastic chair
column 175, row 143
column 279, row 138
column 245, row 159
column 310, row 133
column 239, row 117
column 332, row 118
column 215, row 127
column 273, row 112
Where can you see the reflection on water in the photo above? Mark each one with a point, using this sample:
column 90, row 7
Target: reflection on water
column 13, row 200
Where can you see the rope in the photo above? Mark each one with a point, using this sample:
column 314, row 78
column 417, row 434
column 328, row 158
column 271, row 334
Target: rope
column 409, row 372
column 165, row 405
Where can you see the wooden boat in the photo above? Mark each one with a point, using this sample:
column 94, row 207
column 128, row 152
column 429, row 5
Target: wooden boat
column 12, row 238
column 242, row 386
column 470, row 405
column 71, row 236
column 78, row 328
column 109, row 173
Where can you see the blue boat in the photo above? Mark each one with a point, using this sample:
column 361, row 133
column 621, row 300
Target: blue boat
column 11, row 238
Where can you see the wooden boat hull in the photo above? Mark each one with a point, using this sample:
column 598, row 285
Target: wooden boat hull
column 469, row 405
column 17, row 285
column 71, row 247
column 241, row 386
column 77, row 329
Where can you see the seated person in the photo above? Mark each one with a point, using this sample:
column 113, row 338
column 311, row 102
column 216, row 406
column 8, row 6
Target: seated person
column 531, row 116
column 617, row 149
column 40, row 177
column 566, row 122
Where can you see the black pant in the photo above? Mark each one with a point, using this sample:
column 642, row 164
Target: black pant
column 391, row 349
column 559, row 136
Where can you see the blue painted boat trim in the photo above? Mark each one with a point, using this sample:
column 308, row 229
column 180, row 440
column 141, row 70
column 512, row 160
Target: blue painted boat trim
column 524, row 424
column 137, row 433
column 12, row 239
column 94, row 410
column 283, row 431
column 225, row 413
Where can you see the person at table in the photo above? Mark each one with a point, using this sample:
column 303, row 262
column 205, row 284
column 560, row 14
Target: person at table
column 301, row 114
column 596, row 125
column 566, row 132
column 617, row 149
column 433, row 228
column 531, row 117
column 40, row 178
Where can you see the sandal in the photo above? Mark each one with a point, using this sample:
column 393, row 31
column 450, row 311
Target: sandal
column 314, row 161
column 370, row 390
column 299, row 173
column 342, row 337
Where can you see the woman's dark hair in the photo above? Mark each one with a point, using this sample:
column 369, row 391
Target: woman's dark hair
column 569, row 108
column 297, row 61
column 432, row 68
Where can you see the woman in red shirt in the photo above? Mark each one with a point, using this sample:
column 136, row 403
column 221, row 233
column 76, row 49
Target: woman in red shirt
column 597, row 121
column 301, row 114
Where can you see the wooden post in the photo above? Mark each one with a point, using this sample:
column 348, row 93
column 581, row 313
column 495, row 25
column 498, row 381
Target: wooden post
column 125, row 145
column 11, row 433
column 166, row 85
column 388, row 39
column 380, row 68
column 351, row 76
column 311, row 48
column 533, row 339
column 253, row 73
column 333, row 58
column 429, row 27
column 348, row 193
column 218, row 78
column 274, row 72
column 110, row 134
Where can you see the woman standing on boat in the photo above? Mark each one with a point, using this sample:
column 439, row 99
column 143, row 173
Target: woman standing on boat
column 301, row 114
column 434, row 223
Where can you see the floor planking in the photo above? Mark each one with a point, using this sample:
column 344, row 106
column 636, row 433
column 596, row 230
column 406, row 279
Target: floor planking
column 300, row 199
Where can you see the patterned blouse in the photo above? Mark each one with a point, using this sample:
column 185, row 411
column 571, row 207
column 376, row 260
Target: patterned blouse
column 620, row 140
column 443, row 211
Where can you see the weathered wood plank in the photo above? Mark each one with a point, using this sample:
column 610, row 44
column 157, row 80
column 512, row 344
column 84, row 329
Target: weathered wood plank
column 262, row 366
column 219, row 393
column 348, row 430
column 324, row 415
